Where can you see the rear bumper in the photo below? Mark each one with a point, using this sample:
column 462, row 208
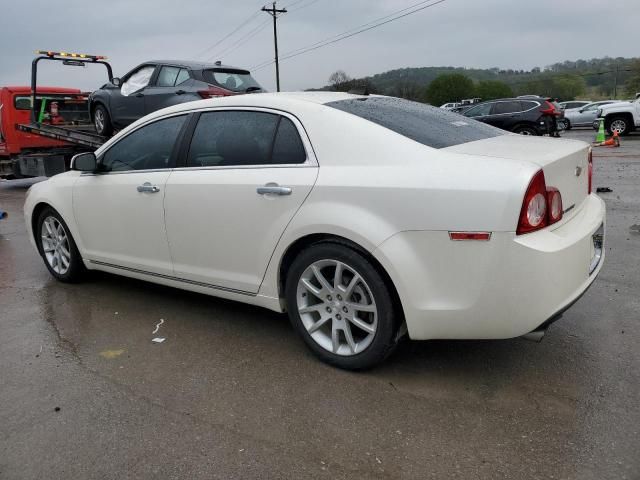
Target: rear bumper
column 503, row 288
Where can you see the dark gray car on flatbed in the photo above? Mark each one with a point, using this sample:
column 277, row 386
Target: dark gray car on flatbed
column 161, row 83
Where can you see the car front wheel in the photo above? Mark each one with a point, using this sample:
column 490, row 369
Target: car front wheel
column 57, row 247
column 340, row 305
column 102, row 121
column 618, row 124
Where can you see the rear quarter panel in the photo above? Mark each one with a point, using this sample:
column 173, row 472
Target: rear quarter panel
column 374, row 183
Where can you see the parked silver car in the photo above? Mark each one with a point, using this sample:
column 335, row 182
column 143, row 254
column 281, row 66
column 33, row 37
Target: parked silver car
column 568, row 105
column 583, row 117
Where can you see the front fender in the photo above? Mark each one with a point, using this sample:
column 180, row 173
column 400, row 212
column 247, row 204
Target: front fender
column 56, row 192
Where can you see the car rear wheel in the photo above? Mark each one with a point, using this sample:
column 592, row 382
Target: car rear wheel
column 525, row 130
column 618, row 124
column 102, row 121
column 340, row 305
column 57, row 247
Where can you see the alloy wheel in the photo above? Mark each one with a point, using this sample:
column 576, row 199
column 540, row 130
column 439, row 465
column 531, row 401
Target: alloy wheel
column 618, row 126
column 55, row 245
column 337, row 307
column 99, row 120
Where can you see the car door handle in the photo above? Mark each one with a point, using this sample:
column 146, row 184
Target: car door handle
column 148, row 188
column 274, row 189
column 180, row 92
column 139, row 95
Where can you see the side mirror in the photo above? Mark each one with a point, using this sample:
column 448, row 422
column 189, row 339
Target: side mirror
column 84, row 162
column 117, row 81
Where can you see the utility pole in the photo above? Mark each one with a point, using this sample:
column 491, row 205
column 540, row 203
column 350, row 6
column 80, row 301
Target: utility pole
column 273, row 11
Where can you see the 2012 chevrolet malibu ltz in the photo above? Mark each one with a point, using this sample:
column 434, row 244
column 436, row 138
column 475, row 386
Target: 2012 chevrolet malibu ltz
column 364, row 217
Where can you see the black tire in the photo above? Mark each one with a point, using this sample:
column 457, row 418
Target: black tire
column 526, row 130
column 76, row 269
column 383, row 340
column 622, row 123
column 567, row 124
column 102, row 121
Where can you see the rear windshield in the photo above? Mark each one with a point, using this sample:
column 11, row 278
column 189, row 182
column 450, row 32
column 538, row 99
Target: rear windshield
column 423, row 123
column 234, row 80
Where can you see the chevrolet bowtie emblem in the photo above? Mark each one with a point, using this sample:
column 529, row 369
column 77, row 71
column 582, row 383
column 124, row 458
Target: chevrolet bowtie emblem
column 578, row 171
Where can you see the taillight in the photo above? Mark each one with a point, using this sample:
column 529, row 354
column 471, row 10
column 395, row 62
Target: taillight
column 554, row 200
column 590, row 170
column 533, row 215
column 213, row 92
column 541, row 206
column 548, row 108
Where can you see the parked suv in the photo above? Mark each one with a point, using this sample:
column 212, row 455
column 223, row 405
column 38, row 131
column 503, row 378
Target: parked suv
column 158, row 84
column 526, row 116
column 623, row 117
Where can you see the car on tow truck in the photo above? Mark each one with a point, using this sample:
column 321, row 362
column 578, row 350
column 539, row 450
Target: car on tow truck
column 162, row 83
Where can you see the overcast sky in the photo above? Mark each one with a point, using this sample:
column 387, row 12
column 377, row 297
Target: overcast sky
column 517, row 34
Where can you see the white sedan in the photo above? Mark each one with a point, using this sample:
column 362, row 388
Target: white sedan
column 364, row 217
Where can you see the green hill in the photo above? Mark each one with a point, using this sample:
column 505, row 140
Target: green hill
column 594, row 79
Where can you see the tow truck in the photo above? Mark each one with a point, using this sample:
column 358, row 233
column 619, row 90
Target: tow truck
column 41, row 128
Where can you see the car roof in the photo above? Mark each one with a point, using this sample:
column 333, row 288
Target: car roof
column 193, row 64
column 279, row 100
column 514, row 99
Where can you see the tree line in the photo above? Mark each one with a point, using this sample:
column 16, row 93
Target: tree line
column 595, row 78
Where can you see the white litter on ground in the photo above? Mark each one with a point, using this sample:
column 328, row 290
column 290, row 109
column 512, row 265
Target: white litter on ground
column 158, row 326
column 158, row 340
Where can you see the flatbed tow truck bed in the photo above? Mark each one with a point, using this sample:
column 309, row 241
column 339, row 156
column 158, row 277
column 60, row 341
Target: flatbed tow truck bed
column 74, row 134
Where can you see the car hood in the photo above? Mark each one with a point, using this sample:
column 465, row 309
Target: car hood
column 615, row 105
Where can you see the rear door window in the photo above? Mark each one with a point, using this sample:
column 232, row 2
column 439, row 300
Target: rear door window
column 183, row 76
column 422, row 123
column 171, row 76
column 287, row 147
column 167, row 76
column 232, row 138
column 243, row 138
column 506, row 107
column 479, row 111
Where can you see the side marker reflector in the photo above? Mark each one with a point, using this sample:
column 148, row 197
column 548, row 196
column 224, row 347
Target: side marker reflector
column 483, row 236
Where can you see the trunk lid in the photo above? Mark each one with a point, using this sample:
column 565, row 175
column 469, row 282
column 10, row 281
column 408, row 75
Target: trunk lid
column 564, row 162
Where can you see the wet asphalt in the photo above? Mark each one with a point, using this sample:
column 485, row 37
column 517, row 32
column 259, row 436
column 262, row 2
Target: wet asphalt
column 233, row 394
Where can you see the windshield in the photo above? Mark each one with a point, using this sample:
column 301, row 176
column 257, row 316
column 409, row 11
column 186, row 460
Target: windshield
column 423, row 123
column 234, row 80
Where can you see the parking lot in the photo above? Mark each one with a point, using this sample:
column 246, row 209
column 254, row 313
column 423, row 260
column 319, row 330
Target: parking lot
column 231, row 393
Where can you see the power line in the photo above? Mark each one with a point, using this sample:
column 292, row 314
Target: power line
column 301, row 6
column 354, row 31
column 293, row 3
column 241, row 41
column 247, row 21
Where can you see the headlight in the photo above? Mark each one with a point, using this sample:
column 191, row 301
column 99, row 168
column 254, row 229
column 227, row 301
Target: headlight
column 599, row 113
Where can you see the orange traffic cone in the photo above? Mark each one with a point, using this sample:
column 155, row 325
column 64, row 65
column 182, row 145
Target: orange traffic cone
column 614, row 141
